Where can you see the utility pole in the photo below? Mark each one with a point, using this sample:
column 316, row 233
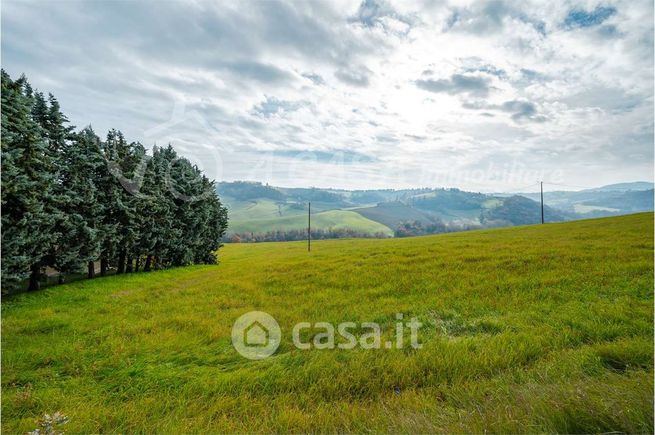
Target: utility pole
column 309, row 227
column 542, row 201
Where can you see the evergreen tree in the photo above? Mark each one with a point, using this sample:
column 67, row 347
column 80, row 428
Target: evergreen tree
column 57, row 129
column 27, row 184
column 163, row 233
column 213, row 230
column 80, row 239
column 39, row 109
column 69, row 199
column 62, row 202
column 124, row 162
column 184, row 185
column 109, row 195
column 133, row 163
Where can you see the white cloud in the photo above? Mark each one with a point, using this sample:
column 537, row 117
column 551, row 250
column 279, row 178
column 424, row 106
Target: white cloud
column 425, row 91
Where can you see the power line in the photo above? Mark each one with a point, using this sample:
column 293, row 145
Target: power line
column 309, row 227
column 570, row 185
column 516, row 189
column 541, row 184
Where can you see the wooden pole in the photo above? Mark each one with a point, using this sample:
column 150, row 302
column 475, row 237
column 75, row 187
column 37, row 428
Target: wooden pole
column 309, row 227
column 542, row 202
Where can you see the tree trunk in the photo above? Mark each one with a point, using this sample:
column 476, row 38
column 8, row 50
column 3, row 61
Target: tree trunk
column 103, row 266
column 91, row 270
column 129, row 268
column 146, row 268
column 137, row 264
column 121, row 263
column 35, row 276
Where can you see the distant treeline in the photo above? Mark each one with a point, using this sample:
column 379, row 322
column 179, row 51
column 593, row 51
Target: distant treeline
column 519, row 210
column 291, row 235
column 417, row 228
column 70, row 200
column 405, row 229
column 253, row 190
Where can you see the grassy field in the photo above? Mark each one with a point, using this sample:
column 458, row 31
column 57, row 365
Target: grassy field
column 266, row 208
column 392, row 214
column 545, row 328
column 333, row 219
column 259, row 209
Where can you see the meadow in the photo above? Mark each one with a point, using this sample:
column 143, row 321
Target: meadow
column 545, row 328
column 331, row 219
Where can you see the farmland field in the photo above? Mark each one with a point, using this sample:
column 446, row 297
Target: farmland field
column 332, row 219
column 545, row 328
column 257, row 208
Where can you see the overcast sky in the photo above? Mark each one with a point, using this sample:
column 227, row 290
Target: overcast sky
column 487, row 95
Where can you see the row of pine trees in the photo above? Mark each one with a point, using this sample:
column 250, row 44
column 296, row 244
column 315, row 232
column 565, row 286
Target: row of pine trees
column 71, row 201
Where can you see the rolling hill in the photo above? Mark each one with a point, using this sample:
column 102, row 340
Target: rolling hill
column 607, row 200
column 257, row 209
column 393, row 213
column 332, row 219
column 544, row 328
column 624, row 187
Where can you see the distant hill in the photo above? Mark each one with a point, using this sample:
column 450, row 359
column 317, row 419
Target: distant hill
column 244, row 190
column 256, row 208
column 610, row 200
column 393, row 213
column 519, row 210
column 623, row 187
column 332, row 219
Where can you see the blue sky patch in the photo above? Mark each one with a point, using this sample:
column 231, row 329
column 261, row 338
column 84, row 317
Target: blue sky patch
column 579, row 18
column 339, row 156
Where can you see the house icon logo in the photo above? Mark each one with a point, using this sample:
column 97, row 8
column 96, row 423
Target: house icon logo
column 256, row 335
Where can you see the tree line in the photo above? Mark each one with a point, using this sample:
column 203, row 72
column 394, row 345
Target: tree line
column 417, row 228
column 71, row 200
column 294, row 235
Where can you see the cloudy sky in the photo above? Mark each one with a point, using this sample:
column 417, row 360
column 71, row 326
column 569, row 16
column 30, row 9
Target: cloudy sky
column 482, row 95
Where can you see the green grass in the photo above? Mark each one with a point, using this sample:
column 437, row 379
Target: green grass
column 333, row 219
column 256, row 209
column 544, row 328
column 392, row 214
column 266, row 208
column 262, row 208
